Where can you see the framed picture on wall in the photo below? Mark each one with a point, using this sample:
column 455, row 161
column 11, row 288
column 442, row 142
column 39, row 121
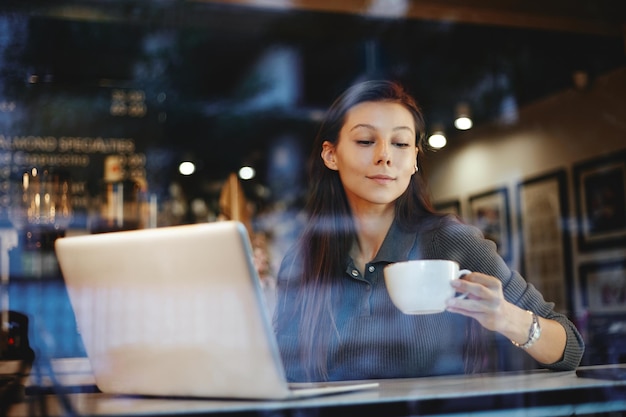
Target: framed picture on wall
column 603, row 286
column 600, row 186
column 449, row 206
column 544, row 241
column 489, row 211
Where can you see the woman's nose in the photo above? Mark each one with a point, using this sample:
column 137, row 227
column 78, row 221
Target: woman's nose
column 382, row 154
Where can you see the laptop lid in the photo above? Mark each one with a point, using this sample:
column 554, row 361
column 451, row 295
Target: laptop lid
column 173, row 311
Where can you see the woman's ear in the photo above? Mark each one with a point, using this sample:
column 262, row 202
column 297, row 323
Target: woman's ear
column 328, row 155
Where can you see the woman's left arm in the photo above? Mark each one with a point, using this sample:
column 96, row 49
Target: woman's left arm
column 500, row 298
column 544, row 340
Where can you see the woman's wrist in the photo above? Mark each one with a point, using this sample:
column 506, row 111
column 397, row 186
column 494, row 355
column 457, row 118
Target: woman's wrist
column 516, row 324
column 534, row 331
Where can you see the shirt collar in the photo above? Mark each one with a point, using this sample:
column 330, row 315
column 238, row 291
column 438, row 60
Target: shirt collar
column 396, row 246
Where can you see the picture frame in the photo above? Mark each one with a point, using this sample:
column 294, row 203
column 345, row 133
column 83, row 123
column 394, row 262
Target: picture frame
column 449, row 206
column 489, row 211
column 544, row 237
column 603, row 286
column 600, row 186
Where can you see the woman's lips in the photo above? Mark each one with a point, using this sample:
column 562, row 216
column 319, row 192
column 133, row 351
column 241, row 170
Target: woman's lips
column 381, row 179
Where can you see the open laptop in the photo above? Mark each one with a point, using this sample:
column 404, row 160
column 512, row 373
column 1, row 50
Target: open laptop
column 177, row 311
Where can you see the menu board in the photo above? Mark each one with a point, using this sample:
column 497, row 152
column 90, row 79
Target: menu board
column 75, row 157
column 115, row 123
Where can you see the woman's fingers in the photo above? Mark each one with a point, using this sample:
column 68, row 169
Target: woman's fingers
column 478, row 285
column 482, row 279
column 483, row 301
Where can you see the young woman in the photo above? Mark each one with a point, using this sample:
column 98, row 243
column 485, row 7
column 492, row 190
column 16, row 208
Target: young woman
column 368, row 207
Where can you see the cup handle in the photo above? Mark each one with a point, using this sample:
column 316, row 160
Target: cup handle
column 462, row 273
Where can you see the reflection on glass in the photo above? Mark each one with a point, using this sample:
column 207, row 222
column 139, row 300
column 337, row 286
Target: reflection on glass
column 121, row 208
column 43, row 201
column 41, row 212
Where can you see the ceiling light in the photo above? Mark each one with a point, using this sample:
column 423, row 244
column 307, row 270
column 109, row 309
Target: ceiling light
column 187, row 168
column 463, row 119
column 463, row 123
column 437, row 139
column 246, row 173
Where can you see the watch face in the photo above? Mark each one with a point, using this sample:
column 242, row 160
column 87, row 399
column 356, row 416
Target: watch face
column 533, row 333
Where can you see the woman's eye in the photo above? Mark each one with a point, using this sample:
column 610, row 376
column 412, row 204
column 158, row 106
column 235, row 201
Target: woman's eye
column 364, row 141
column 402, row 144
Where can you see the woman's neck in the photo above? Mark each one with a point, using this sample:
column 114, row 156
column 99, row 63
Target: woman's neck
column 371, row 230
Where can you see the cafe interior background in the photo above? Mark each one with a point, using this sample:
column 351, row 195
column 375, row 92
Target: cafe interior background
column 101, row 103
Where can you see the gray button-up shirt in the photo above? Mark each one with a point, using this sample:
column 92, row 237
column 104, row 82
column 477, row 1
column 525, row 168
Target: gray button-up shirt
column 375, row 340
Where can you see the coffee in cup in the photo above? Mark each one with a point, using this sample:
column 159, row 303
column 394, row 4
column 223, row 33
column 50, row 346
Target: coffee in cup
column 422, row 286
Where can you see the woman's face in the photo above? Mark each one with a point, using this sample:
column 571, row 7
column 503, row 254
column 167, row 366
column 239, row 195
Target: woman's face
column 375, row 154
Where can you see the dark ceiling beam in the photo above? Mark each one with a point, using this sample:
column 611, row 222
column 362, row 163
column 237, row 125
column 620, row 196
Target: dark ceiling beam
column 607, row 18
column 597, row 17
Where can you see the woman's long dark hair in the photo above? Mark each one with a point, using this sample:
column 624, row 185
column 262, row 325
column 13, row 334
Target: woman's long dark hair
column 330, row 232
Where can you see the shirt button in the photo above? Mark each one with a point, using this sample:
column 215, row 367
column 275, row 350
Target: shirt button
column 355, row 273
column 371, row 268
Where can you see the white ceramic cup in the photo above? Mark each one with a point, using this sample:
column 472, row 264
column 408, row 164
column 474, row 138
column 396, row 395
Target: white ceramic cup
column 422, row 286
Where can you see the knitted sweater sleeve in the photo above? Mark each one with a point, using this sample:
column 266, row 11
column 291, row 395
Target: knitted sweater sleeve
column 466, row 245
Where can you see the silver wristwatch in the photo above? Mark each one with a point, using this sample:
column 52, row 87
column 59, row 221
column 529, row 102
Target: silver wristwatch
column 533, row 333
